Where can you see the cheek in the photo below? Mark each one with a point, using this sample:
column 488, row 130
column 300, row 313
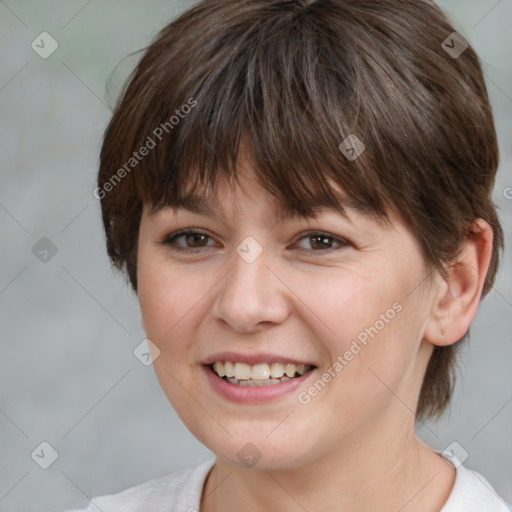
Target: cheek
column 165, row 296
column 367, row 322
column 168, row 302
column 345, row 302
column 173, row 303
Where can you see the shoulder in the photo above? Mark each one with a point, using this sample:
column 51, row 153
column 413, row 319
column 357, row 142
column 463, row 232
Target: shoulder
column 472, row 493
column 182, row 489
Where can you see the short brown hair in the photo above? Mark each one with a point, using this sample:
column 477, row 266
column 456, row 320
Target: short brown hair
column 295, row 78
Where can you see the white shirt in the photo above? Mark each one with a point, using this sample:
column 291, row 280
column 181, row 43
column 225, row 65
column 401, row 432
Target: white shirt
column 181, row 492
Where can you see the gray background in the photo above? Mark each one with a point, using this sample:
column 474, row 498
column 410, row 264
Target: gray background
column 69, row 325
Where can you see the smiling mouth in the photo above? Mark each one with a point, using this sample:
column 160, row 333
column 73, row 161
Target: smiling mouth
column 262, row 374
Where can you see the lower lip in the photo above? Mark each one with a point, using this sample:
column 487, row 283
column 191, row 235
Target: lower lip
column 254, row 394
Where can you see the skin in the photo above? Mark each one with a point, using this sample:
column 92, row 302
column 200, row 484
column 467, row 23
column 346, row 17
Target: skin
column 353, row 446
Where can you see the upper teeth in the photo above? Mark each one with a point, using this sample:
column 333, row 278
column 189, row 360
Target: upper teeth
column 262, row 371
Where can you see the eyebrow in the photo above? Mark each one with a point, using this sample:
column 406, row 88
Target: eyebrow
column 210, row 206
column 198, row 204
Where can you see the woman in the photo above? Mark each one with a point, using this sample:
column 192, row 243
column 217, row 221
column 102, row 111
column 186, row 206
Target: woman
column 299, row 193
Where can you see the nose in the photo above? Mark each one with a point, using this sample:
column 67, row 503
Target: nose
column 251, row 296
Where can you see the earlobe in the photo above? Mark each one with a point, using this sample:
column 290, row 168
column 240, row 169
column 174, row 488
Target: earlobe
column 457, row 303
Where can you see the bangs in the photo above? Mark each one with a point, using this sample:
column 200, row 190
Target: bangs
column 257, row 96
column 299, row 192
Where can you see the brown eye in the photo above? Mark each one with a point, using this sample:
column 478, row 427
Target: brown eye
column 319, row 241
column 193, row 240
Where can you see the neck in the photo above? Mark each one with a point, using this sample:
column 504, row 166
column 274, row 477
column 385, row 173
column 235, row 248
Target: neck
column 364, row 473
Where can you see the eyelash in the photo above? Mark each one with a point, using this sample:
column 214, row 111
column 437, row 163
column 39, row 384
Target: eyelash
column 171, row 238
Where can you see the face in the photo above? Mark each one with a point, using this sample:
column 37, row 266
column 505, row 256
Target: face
column 341, row 300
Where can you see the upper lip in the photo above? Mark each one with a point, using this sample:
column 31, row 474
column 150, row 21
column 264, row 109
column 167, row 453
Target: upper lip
column 260, row 357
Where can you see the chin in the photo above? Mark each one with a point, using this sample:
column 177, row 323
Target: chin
column 253, row 450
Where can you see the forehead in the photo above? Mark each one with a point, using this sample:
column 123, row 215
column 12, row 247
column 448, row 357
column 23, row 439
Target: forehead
column 211, row 206
column 222, row 199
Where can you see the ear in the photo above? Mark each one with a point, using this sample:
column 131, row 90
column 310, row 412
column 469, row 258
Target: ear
column 456, row 302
